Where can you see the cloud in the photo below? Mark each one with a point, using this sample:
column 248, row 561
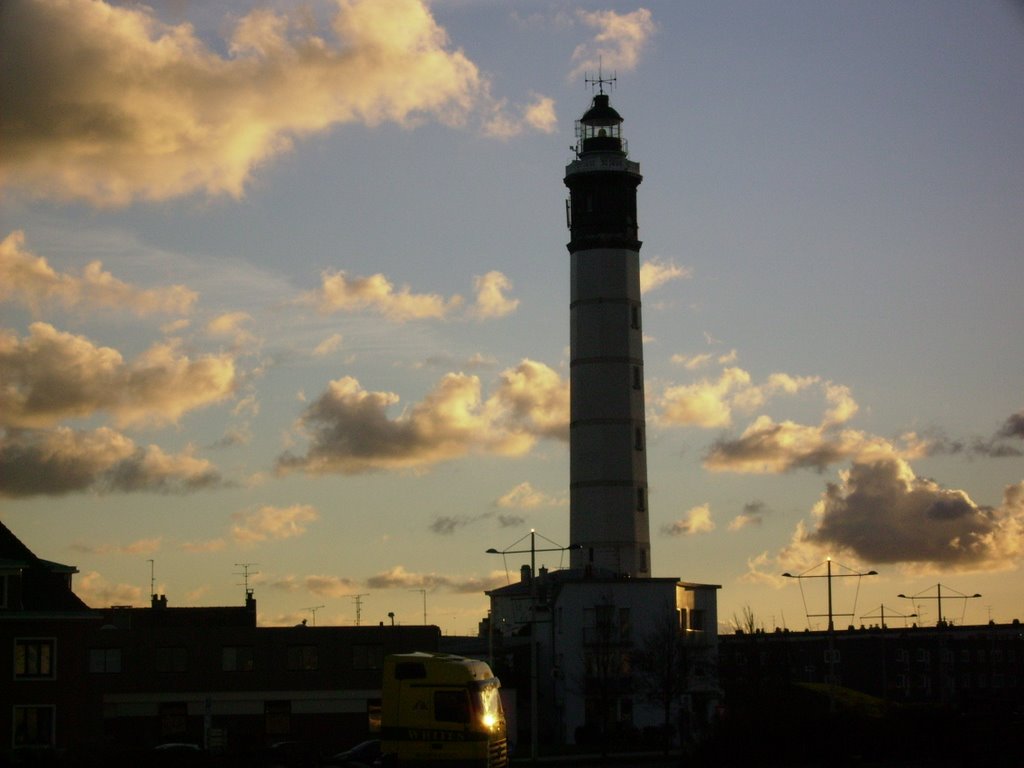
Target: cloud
column 655, row 273
column 696, row 520
column 711, row 403
column 30, row 280
column 64, row 461
column 51, row 375
column 269, row 522
column 491, row 300
column 399, row 578
column 538, row 115
column 351, row 432
column 107, row 104
column 202, row 547
column 752, row 514
column 140, row 547
column 446, row 525
column 883, row 513
column 620, row 39
column 338, row 293
column 1013, row 426
column 97, row 592
column 696, row 362
column 525, row 496
column 232, row 325
column 329, row 345
column 330, row 586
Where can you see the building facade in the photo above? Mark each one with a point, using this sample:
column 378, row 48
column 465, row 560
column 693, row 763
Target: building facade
column 119, row 681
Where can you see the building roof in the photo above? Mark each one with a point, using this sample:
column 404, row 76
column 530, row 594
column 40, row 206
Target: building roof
column 45, row 585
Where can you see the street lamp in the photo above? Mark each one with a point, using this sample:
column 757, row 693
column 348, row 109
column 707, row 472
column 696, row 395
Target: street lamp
column 831, row 626
column 938, row 597
column 533, row 550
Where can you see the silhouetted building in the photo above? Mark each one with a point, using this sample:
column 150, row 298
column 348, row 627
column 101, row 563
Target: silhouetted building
column 125, row 679
column 971, row 667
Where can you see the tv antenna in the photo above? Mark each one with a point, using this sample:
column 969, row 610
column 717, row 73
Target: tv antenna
column 600, row 81
column 313, row 609
column 245, row 573
column 358, row 599
column 152, row 578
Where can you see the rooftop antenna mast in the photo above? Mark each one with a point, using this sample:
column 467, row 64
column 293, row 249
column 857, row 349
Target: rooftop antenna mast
column 600, row 81
column 358, row 599
column 152, row 578
column 313, row 609
column 245, row 573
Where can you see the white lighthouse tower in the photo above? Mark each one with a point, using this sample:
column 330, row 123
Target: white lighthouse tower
column 608, row 514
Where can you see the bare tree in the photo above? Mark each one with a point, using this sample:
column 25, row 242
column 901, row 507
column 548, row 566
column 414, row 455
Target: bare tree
column 660, row 666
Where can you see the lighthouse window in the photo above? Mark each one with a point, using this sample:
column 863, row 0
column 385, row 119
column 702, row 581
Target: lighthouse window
column 638, row 381
column 641, row 500
column 639, row 436
column 635, row 313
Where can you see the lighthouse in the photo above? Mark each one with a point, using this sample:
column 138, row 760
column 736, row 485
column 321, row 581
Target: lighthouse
column 608, row 515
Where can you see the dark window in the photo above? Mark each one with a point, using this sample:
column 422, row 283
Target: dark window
column 639, row 439
column 34, row 658
column 237, row 658
column 3, row 591
column 635, row 316
column 638, row 379
column 104, row 660
column 33, row 726
column 302, row 657
column 641, row 499
column 451, row 706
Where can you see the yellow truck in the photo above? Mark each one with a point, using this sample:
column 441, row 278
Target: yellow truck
column 440, row 709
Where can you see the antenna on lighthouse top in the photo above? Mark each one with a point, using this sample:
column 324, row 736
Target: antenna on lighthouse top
column 600, row 81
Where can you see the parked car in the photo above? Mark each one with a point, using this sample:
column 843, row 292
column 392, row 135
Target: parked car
column 363, row 755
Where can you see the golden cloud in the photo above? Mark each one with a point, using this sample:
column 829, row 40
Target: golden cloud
column 30, row 280
column 106, row 103
column 51, row 375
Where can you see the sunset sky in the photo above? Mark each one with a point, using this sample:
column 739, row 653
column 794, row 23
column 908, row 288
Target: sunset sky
column 285, row 284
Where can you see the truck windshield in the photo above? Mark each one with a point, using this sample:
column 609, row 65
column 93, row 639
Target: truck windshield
column 487, row 704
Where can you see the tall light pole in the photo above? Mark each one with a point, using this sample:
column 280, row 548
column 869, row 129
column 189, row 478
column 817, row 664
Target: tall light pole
column 828, row 575
column 938, row 597
column 533, row 550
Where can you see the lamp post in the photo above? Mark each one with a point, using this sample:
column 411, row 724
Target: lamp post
column 938, row 597
column 831, row 625
column 533, row 550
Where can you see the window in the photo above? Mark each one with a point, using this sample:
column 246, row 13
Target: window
column 638, row 379
column 641, row 500
column 635, row 316
column 451, row 706
column 3, row 590
column 237, row 658
column 643, row 560
column 33, row 726
column 35, row 658
column 103, row 660
column 171, row 658
column 924, row 655
column 639, row 439
column 301, row 657
column 367, row 656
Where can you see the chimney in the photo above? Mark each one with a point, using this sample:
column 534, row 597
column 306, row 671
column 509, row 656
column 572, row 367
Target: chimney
column 525, row 574
column 158, row 601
